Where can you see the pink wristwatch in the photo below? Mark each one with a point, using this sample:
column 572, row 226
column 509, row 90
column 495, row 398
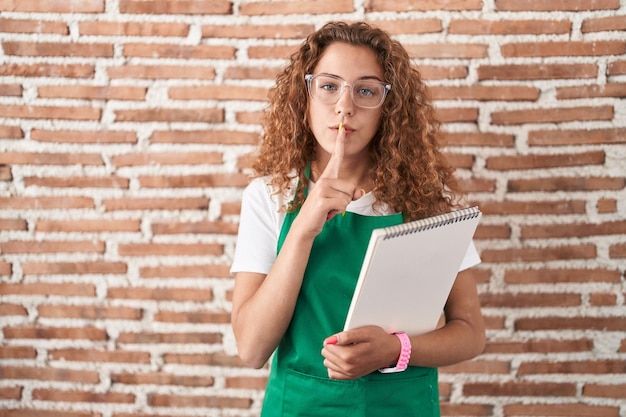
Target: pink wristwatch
column 405, row 355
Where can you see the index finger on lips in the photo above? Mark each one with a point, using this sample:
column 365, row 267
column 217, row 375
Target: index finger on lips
column 336, row 158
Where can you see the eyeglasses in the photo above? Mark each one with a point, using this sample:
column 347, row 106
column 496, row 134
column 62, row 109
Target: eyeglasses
column 327, row 89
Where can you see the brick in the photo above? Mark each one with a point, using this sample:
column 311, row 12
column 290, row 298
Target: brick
column 17, row 352
column 462, row 409
column 178, row 338
column 205, row 136
column 538, row 346
column 113, row 182
column 10, row 90
column 13, row 224
column 556, row 276
column 578, row 230
column 11, row 132
column 246, row 382
column 606, row 205
column 200, row 7
column 590, row 91
column 162, row 72
column 215, row 317
column 477, row 185
column 616, row 68
column 485, row 93
column 88, row 226
column 447, row 50
column 604, row 390
column 49, row 374
column 48, row 70
column 602, row 299
column 7, row 309
column 457, row 115
column 271, row 52
column 460, row 161
column 203, row 115
column 83, row 136
column 559, row 410
column 552, row 115
column 492, row 232
column 250, row 73
column 33, row 26
column 509, row 27
column 505, row 163
column 479, row 367
column 435, row 72
column 29, row 412
column 87, row 92
column 65, row 289
column 41, row 158
column 219, row 92
column 55, row 49
column 569, row 48
column 520, row 389
column 265, row 8
column 160, row 294
column 194, row 181
column 82, row 396
column 6, row 174
column 74, row 268
column 250, row 31
column 536, row 71
column 478, row 139
column 5, row 268
column 617, row 250
column 29, row 246
column 90, row 312
column 506, row 208
column 602, row 24
column 59, row 6
column 528, row 300
column 99, row 356
column 148, row 50
column 112, row 28
column 213, row 401
column 162, row 378
column 567, row 184
column 203, row 359
column 584, row 251
column 573, row 367
column 42, row 332
column 191, row 203
column 555, row 5
column 167, row 158
column 205, row 227
column 577, row 137
column 45, row 203
column 170, row 249
column 408, row 5
column 50, row 112
column 409, row 26
column 186, row 271
column 574, row 323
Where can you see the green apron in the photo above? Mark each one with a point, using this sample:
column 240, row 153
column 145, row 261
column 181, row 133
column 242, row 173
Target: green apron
column 298, row 384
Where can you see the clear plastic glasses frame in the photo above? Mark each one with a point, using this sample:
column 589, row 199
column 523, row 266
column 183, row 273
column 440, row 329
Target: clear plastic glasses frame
column 327, row 89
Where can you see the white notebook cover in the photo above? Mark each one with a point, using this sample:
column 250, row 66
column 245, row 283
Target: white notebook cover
column 409, row 270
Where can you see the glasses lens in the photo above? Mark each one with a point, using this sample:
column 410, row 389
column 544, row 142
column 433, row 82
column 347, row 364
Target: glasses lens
column 365, row 93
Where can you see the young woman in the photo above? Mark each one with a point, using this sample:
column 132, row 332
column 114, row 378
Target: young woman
column 350, row 144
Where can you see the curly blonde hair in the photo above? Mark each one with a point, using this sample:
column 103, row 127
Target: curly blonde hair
column 409, row 172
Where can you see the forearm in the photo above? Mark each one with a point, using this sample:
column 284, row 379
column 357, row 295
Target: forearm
column 262, row 313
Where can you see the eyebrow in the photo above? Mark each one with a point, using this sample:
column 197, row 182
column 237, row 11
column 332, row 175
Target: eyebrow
column 365, row 77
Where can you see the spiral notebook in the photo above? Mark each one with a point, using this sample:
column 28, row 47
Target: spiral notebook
column 409, row 270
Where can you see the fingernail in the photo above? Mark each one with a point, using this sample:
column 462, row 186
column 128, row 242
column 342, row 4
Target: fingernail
column 332, row 340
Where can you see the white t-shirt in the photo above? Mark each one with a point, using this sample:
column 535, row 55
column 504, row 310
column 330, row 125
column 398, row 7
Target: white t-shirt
column 261, row 221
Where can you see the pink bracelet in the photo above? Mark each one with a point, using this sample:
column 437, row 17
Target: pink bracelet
column 405, row 355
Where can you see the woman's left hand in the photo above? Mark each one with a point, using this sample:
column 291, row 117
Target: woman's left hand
column 354, row 353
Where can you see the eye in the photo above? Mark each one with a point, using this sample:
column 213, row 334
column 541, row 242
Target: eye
column 328, row 86
column 367, row 90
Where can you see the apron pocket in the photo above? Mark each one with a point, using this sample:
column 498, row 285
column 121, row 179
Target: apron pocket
column 313, row 396
column 410, row 396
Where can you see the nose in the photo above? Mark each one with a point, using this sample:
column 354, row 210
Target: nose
column 345, row 104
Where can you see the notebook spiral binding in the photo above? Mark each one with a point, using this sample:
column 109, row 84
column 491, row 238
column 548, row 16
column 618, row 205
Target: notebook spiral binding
column 431, row 222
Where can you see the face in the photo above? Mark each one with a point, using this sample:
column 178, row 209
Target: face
column 350, row 63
